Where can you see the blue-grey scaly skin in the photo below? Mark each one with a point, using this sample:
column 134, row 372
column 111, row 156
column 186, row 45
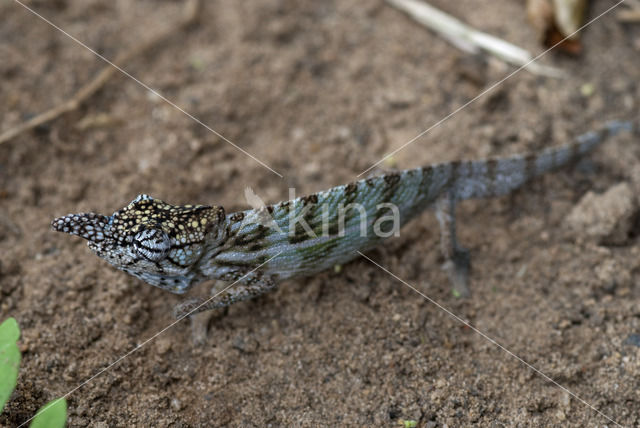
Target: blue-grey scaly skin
column 177, row 247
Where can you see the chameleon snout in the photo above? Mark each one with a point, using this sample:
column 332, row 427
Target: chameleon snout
column 90, row 226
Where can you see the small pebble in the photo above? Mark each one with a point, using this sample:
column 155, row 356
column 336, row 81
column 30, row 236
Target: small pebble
column 163, row 346
column 176, row 405
column 633, row 340
column 247, row 345
column 604, row 218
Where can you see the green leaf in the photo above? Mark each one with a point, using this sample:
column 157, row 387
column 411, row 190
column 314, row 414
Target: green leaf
column 52, row 415
column 9, row 358
column 9, row 331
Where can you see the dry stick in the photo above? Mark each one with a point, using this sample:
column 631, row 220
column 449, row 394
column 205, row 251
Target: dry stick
column 469, row 39
column 189, row 16
column 633, row 4
column 632, row 13
column 629, row 16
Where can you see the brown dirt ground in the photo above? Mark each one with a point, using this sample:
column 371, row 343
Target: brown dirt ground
column 318, row 91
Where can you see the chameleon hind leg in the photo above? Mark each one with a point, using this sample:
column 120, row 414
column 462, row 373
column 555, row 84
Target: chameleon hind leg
column 457, row 259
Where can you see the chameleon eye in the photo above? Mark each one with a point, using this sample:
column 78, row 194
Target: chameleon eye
column 152, row 244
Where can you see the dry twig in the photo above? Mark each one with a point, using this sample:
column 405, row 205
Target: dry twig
column 469, row 39
column 629, row 16
column 189, row 16
column 632, row 13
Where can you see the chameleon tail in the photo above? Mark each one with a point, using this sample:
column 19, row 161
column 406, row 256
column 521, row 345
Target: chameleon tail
column 553, row 158
column 495, row 177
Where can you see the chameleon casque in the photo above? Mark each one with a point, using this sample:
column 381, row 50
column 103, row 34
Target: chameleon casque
column 177, row 247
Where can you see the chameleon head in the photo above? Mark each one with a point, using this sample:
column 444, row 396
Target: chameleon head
column 159, row 243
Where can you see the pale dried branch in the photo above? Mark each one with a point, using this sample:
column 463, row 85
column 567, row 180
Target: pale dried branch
column 189, row 16
column 469, row 39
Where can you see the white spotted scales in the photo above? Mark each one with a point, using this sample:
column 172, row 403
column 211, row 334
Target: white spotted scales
column 177, row 247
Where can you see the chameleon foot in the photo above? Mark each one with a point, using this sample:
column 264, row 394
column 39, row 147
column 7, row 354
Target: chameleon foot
column 458, row 268
column 199, row 327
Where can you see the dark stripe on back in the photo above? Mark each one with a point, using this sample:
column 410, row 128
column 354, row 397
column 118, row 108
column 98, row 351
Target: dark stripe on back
column 427, row 178
column 492, row 170
column 391, row 184
column 574, row 152
column 530, row 165
column 310, row 207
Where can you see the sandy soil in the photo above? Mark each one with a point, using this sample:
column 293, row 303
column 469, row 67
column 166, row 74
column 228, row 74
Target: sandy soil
column 319, row 90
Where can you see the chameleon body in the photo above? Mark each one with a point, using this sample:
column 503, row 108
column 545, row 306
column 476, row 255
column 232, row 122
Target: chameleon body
column 177, row 247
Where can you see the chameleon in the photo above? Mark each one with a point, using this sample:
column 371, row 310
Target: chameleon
column 177, row 247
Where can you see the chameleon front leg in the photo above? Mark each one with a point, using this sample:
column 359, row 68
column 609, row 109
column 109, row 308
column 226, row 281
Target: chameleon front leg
column 457, row 259
column 245, row 289
column 200, row 321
